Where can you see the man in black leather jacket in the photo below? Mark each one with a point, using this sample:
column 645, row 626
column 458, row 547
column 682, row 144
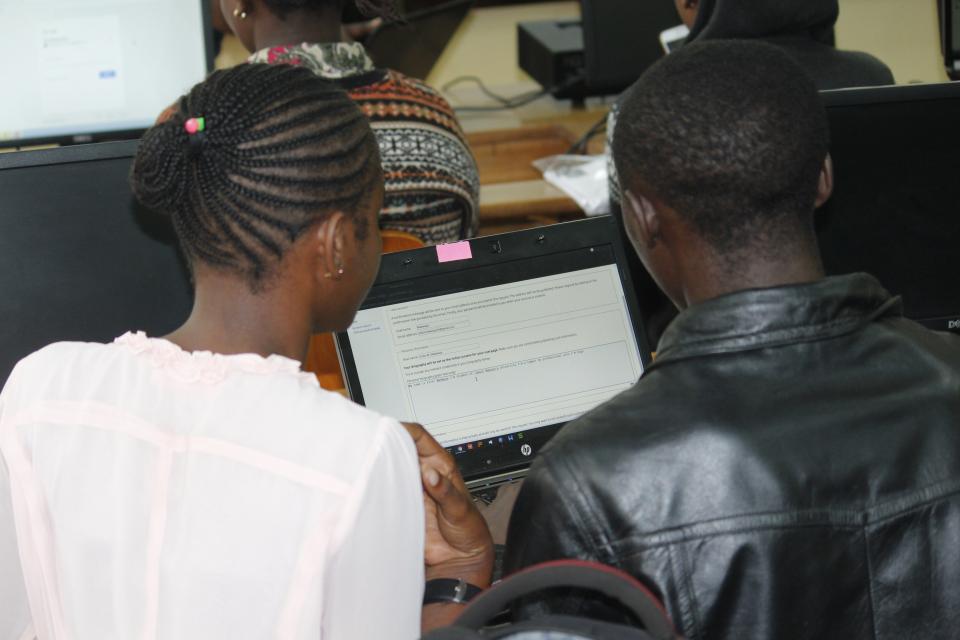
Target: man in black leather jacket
column 789, row 466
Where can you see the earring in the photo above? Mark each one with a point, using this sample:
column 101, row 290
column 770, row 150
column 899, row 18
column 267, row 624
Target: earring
column 328, row 275
column 239, row 13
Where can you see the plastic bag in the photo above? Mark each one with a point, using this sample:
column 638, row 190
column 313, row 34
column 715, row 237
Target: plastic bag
column 583, row 178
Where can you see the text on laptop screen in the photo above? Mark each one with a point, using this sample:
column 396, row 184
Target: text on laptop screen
column 498, row 357
column 83, row 67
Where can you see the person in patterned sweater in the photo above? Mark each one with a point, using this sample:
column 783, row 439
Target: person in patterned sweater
column 432, row 183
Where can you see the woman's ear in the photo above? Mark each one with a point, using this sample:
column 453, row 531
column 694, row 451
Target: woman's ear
column 330, row 239
column 239, row 16
column 825, row 184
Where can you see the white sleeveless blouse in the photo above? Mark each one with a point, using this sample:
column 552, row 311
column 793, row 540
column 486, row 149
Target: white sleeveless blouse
column 147, row 492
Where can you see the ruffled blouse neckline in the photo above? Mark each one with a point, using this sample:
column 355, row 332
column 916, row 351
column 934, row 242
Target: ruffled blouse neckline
column 204, row 366
column 331, row 60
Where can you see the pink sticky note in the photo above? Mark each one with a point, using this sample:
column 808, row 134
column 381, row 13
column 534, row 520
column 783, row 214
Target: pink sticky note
column 454, row 251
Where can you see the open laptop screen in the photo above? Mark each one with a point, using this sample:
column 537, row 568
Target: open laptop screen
column 492, row 355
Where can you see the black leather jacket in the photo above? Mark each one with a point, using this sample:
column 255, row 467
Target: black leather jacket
column 789, row 467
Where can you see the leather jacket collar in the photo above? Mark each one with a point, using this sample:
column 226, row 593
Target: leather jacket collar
column 759, row 318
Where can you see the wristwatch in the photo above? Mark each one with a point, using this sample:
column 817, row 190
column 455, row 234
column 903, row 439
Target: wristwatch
column 449, row 590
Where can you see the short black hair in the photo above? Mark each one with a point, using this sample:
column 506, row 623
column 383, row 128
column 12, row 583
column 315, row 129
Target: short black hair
column 731, row 134
column 280, row 150
column 370, row 8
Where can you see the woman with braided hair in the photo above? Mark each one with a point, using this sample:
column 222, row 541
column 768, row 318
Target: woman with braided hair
column 431, row 179
column 201, row 485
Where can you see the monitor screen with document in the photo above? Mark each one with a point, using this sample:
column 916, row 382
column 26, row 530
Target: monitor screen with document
column 494, row 352
column 79, row 70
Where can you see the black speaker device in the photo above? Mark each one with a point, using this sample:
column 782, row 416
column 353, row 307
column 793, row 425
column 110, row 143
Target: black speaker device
column 551, row 51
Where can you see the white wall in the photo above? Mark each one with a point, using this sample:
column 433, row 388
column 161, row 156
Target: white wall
column 902, row 33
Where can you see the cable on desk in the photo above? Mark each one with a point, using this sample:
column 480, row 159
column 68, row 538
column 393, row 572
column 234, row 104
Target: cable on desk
column 507, row 103
column 580, row 146
column 479, row 82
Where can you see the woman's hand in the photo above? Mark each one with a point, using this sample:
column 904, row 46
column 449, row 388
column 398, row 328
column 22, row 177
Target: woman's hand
column 458, row 542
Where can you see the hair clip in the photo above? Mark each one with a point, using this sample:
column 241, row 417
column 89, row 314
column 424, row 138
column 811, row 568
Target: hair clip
column 195, row 125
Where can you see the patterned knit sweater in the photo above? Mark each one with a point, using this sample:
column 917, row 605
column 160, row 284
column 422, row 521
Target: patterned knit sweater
column 432, row 184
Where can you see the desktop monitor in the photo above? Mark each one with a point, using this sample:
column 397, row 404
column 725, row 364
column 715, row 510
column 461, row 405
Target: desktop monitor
column 79, row 260
column 895, row 210
column 621, row 39
column 78, row 71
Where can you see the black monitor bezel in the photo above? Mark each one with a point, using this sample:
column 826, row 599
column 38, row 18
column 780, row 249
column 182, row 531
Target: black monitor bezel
column 892, row 94
column 69, row 154
column 86, row 137
column 83, row 154
column 857, row 96
column 949, row 15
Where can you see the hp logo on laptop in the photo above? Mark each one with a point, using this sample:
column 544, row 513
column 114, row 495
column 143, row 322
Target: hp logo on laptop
column 526, row 450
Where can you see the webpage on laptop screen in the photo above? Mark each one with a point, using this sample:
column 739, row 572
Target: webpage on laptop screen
column 499, row 359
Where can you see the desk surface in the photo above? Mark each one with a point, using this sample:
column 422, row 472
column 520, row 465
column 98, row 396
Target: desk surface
column 486, row 43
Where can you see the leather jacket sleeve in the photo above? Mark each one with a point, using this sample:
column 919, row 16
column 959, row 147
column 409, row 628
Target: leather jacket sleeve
column 548, row 524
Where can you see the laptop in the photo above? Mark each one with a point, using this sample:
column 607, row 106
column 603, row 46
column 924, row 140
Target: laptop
column 413, row 46
column 493, row 344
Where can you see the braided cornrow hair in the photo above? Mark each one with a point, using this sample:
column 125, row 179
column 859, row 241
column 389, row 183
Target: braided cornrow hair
column 371, row 8
column 281, row 149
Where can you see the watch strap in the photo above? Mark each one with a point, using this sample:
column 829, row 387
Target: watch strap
column 449, row 590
